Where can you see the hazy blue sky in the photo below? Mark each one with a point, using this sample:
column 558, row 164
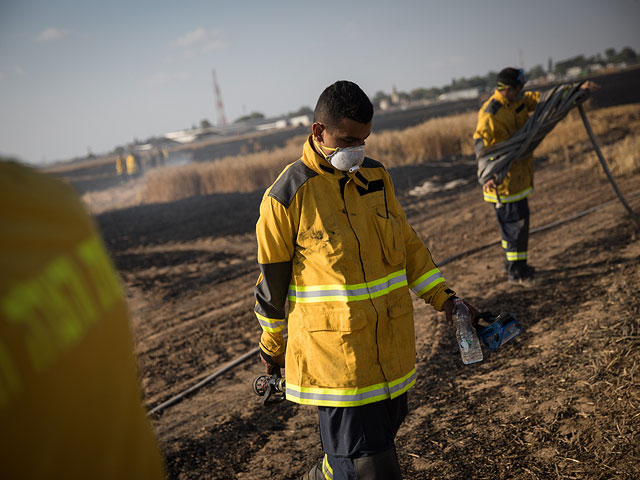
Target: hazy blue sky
column 83, row 74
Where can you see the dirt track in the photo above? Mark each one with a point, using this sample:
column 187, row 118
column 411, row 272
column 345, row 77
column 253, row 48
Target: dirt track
column 561, row 401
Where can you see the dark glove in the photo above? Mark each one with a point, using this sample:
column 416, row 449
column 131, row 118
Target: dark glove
column 273, row 364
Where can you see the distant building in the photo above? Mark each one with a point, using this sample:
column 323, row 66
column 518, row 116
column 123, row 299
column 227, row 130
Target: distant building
column 300, row 121
column 466, row 94
column 272, row 125
column 573, row 72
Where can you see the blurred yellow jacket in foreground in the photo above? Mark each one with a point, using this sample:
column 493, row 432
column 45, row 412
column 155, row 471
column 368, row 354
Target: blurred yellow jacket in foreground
column 70, row 403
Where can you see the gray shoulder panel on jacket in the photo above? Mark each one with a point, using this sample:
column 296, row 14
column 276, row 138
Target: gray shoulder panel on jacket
column 286, row 187
column 493, row 107
column 371, row 163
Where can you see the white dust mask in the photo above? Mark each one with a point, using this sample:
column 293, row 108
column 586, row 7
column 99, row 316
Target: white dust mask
column 347, row 159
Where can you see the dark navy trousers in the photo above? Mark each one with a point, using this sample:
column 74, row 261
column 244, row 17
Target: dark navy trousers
column 361, row 439
column 513, row 219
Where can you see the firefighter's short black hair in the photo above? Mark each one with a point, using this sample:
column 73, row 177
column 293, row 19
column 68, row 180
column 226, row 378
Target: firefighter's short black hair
column 511, row 77
column 343, row 99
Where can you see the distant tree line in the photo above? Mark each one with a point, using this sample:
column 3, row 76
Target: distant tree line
column 627, row 55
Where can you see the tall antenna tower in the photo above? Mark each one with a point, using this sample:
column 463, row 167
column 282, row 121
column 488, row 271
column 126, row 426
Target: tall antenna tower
column 219, row 107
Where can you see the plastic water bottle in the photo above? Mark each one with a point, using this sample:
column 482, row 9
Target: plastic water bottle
column 468, row 341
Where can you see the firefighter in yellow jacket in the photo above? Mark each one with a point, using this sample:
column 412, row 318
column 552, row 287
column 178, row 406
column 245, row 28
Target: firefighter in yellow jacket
column 499, row 118
column 70, row 403
column 133, row 168
column 120, row 165
column 334, row 241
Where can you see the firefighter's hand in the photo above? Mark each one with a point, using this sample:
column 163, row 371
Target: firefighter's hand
column 272, row 363
column 489, row 185
column 590, row 85
column 473, row 311
column 447, row 308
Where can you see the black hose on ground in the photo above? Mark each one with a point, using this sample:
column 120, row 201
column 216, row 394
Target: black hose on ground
column 204, row 381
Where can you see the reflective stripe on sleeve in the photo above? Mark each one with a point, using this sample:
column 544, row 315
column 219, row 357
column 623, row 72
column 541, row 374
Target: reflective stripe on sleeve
column 426, row 282
column 272, row 325
column 348, row 293
column 353, row 397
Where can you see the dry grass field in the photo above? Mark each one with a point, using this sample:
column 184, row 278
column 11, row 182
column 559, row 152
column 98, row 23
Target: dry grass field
column 435, row 140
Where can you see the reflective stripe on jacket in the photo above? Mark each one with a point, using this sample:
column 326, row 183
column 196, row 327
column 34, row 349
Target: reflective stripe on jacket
column 498, row 120
column 339, row 248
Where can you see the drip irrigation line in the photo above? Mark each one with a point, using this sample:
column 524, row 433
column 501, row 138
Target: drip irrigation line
column 204, row 381
column 536, row 230
column 197, row 386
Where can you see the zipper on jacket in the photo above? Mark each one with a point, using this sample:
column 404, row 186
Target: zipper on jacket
column 343, row 183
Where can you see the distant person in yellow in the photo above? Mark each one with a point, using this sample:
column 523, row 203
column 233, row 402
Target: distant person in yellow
column 501, row 116
column 132, row 165
column 70, row 404
column 119, row 165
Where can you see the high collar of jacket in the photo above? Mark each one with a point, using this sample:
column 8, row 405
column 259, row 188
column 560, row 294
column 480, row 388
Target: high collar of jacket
column 312, row 159
column 500, row 98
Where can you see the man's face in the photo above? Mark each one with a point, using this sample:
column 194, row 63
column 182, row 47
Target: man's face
column 348, row 134
column 510, row 93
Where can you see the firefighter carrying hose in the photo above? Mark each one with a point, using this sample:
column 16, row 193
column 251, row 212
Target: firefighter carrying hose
column 334, row 241
column 499, row 118
column 502, row 115
column 69, row 397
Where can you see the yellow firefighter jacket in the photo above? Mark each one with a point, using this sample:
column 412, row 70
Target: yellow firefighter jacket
column 70, row 403
column 119, row 165
column 498, row 120
column 132, row 164
column 339, row 248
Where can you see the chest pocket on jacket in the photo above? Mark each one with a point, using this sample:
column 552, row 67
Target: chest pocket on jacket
column 388, row 226
column 390, row 234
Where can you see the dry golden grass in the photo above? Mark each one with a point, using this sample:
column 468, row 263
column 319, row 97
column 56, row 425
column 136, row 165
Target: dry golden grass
column 623, row 157
column 241, row 173
column 434, row 140
column 571, row 132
